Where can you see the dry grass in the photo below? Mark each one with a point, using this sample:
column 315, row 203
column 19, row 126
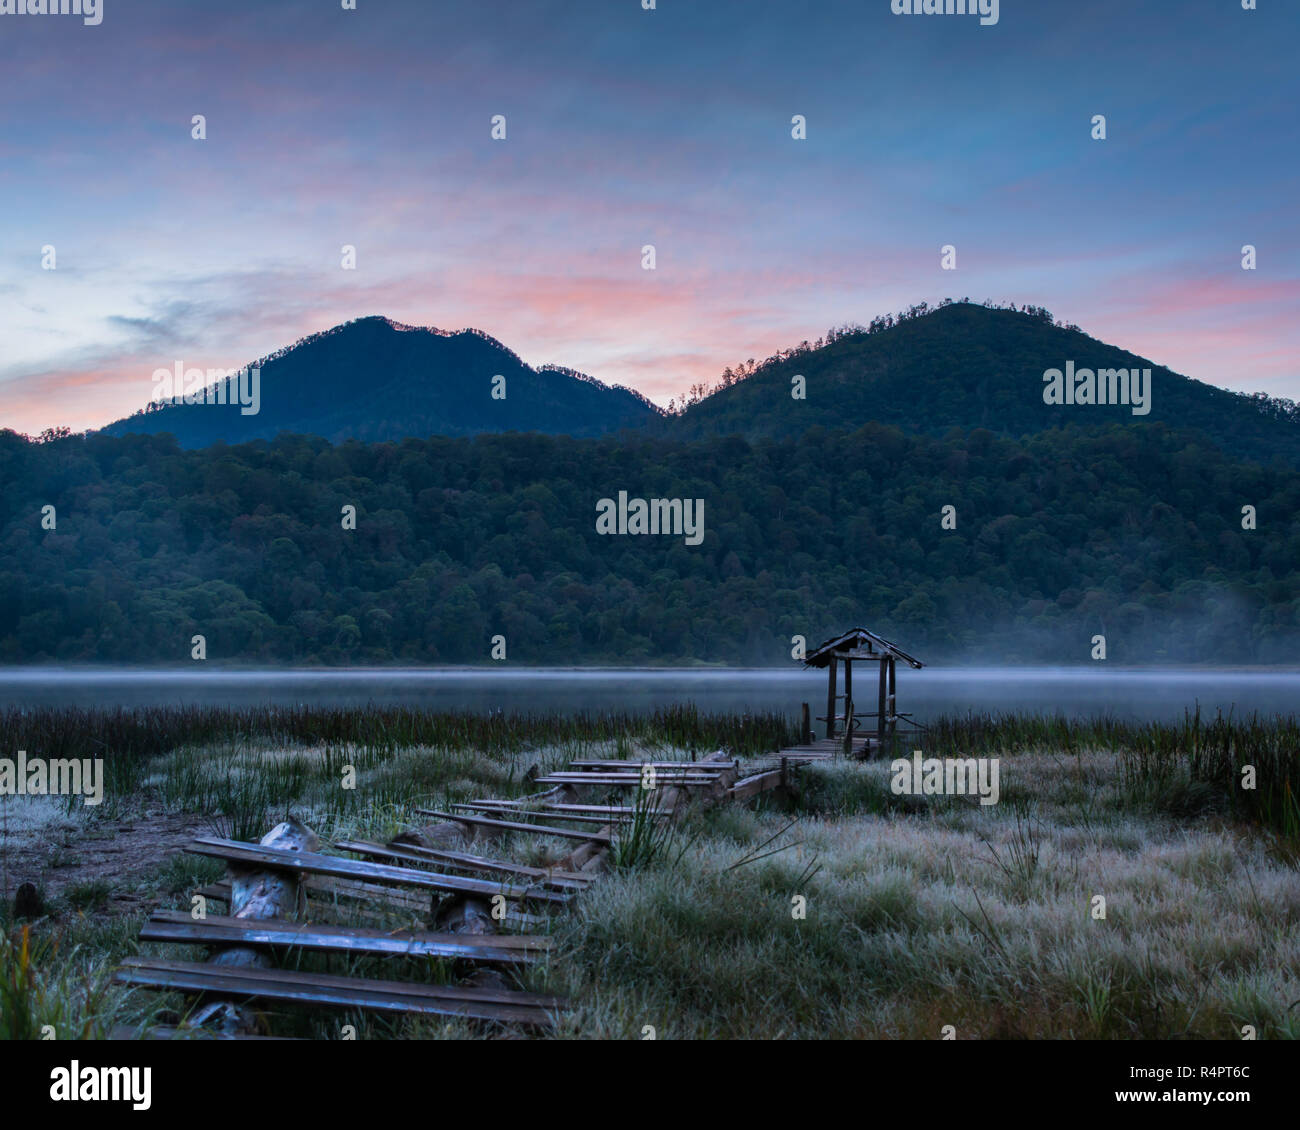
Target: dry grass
column 920, row 912
column 976, row 917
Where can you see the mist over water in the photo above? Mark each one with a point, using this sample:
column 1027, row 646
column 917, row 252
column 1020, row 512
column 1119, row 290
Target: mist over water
column 1145, row 694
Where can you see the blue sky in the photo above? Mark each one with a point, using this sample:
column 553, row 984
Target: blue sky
column 626, row 127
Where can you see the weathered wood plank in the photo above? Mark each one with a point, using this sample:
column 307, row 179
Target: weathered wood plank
column 539, row 813
column 412, row 853
column 497, row 949
column 606, row 809
column 631, row 780
column 377, row 903
column 488, row 822
column 324, row 990
column 682, row 766
column 758, row 783
column 338, row 867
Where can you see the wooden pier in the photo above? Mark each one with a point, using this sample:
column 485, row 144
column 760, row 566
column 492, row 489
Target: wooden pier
column 468, row 897
column 412, row 879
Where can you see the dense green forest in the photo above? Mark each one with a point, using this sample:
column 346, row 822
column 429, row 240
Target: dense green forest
column 375, row 379
column 968, row 365
column 1131, row 532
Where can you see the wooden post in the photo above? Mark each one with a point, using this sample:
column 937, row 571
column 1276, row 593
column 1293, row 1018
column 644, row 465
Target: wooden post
column 805, row 730
column 848, row 727
column 830, row 699
column 254, row 894
column 893, row 704
column 848, row 696
column 880, row 717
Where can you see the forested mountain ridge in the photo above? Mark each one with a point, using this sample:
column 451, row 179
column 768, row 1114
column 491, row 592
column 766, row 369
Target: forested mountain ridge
column 959, row 365
column 966, row 365
column 373, row 379
column 1133, row 532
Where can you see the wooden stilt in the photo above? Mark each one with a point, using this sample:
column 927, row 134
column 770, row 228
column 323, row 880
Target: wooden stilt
column 848, row 696
column 830, row 697
column 880, row 716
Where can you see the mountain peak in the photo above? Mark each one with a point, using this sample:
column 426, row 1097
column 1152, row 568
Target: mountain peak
column 374, row 378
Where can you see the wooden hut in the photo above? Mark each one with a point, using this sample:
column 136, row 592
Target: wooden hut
column 857, row 646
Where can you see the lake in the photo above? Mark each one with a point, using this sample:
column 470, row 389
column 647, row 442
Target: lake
column 1129, row 693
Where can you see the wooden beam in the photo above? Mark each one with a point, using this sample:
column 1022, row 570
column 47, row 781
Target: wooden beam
column 830, row 698
column 684, row 766
column 632, row 780
column 369, row 900
column 336, row 866
column 409, row 853
column 758, row 783
column 176, row 926
column 324, row 990
column 880, row 714
column 510, row 826
column 536, row 813
column 593, row 809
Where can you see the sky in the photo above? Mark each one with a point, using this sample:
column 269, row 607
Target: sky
column 625, row 127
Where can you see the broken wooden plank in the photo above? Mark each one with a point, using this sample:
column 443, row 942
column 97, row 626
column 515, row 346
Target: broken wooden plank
column 377, row 903
column 338, row 867
column 410, row 853
column 539, row 813
column 607, row 813
column 758, row 783
column 628, row 780
column 607, row 809
column 487, row 822
column 496, row 949
column 325, row 990
column 668, row 766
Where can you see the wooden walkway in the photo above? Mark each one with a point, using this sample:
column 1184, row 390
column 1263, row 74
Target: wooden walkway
column 409, row 879
column 823, row 749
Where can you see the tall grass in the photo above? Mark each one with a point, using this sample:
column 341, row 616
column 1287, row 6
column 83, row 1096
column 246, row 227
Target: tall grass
column 128, row 738
column 1183, row 768
column 41, row 997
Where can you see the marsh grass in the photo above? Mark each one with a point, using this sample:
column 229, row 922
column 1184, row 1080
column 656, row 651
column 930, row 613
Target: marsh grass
column 980, row 917
column 920, row 911
column 1187, row 769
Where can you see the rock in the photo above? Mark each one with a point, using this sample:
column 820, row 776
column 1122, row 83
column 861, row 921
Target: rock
column 28, row 902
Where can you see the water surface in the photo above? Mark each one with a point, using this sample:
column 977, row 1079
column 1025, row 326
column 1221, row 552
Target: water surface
column 1129, row 693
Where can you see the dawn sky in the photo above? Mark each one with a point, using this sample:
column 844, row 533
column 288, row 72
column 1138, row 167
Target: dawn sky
column 627, row 127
